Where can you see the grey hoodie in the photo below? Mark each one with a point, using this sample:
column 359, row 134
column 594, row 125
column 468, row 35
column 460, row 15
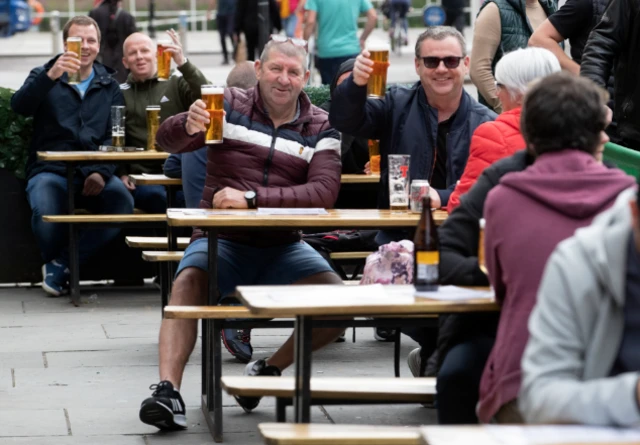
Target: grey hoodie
column 576, row 329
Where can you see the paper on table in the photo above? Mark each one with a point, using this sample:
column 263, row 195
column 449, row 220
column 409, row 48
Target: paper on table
column 281, row 211
column 338, row 296
column 155, row 176
column 455, row 293
column 213, row 212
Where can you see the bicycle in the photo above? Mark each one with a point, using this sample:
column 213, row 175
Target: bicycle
column 397, row 33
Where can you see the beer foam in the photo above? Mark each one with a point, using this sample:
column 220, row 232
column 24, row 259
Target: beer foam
column 212, row 90
column 74, row 39
column 153, row 107
column 378, row 46
column 164, row 42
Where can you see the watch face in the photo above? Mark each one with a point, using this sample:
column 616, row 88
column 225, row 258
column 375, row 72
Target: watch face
column 250, row 195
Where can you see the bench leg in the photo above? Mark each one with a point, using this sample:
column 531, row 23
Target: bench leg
column 281, row 410
column 396, row 352
column 74, row 266
column 216, row 350
column 164, row 285
column 302, row 395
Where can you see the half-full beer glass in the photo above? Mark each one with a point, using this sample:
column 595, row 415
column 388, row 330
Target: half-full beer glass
column 164, row 60
column 153, row 122
column 74, row 45
column 377, row 85
column 117, row 125
column 374, row 157
column 213, row 97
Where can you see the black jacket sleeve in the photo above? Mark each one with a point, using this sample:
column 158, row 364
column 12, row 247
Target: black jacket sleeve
column 32, row 93
column 353, row 114
column 606, row 41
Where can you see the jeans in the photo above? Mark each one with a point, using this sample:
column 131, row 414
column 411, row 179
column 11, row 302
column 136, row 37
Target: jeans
column 289, row 25
column 329, row 66
column 458, row 383
column 47, row 195
column 150, row 198
column 225, row 29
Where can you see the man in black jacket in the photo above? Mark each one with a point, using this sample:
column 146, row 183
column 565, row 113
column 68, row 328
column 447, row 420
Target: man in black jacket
column 614, row 45
column 69, row 118
column 465, row 340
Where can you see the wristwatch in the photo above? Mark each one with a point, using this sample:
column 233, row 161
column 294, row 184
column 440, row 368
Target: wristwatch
column 250, row 196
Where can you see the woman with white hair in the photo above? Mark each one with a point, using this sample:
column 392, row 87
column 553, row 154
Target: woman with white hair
column 495, row 140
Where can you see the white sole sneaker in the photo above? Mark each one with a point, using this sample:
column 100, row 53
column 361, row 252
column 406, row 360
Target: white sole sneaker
column 413, row 360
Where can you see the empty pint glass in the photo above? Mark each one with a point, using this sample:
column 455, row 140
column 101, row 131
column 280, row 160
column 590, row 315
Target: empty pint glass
column 481, row 258
column 153, row 122
column 213, row 97
column 117, row 125
column 374, row 157
column 399, row 182
column 74, row 45
column 164, row 60
column 377, row 85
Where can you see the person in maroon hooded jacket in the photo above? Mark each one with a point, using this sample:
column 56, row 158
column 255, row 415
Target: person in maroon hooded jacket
column 530, row 212
column 278, row 151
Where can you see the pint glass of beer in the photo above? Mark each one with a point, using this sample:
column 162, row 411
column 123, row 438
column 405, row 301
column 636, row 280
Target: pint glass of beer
column 374, row 157
column 164, row 60
column 117, row 126
column 74, row 44
column 213, row 97
column 153, row 122
column 379, row 53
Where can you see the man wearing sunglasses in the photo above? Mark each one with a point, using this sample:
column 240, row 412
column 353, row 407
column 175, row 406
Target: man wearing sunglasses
column 432, row 121
column 278, row 151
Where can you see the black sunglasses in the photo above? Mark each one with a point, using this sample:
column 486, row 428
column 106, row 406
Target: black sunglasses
column 450, row 62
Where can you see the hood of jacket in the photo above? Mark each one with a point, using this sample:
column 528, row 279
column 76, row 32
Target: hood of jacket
column 511, row 119
column 570, row 182
column 604, row 245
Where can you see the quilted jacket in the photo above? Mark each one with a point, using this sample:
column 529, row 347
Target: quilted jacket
column 491, row 142
column 294, row 165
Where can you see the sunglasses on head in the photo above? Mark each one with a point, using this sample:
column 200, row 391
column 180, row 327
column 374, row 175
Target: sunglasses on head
column 279, row 38
column 449, row 61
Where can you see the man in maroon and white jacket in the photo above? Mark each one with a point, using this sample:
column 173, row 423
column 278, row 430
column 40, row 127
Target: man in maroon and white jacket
column 278, row 151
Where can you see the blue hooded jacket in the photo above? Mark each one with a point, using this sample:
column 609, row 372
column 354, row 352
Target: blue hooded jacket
column 65, row 121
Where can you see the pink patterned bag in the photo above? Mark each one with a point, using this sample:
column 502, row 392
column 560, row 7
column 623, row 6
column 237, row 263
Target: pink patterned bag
column 391, row 264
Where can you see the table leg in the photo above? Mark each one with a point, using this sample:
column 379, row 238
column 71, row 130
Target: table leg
column 74, row 266
column 302, row 344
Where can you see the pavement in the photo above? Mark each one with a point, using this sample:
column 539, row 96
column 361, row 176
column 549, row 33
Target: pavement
column 76, row 376
column 22, row 52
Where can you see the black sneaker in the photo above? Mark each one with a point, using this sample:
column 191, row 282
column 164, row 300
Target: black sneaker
column 259, row 367
column 165, row 408
column 238, row 343
column 384, row 334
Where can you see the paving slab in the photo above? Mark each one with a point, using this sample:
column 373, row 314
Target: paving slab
column 33, row 422
column 76, row 440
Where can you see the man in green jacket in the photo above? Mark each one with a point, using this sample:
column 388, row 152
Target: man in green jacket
column 143, row 88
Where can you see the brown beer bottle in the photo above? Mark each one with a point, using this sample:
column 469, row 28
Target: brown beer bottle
column 426, row 251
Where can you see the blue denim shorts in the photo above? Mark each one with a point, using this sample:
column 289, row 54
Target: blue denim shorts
column 242, row 265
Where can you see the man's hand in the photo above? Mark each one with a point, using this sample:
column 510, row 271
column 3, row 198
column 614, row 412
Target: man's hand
column 436, row 203
column 93, row 185
column 126, row 180
column 175, row 48
column 197, row 118
column 367, row 168
column 362, row 68
column 68, row 62
column 229, row 198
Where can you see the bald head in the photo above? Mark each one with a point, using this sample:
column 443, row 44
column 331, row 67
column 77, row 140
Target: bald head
column 243, row 76
column 138, row 53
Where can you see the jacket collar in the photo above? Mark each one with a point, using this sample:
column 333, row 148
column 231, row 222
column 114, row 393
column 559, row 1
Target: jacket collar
column 303, row 102
column 132, row 81
column 460, row 115
column 103, row 74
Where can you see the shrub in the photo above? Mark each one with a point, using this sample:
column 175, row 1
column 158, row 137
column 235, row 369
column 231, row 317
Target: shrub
column 15, row 136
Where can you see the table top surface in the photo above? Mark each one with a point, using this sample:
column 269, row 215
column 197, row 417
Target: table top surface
column 104, row 156
column 273, row 301
column 149, row 179
column 360, row 179
column 529, row 435
column 351, row 218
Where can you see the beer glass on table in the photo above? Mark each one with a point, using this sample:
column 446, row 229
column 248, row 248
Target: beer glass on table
column 377, row 85
column 374, row 157
column 153, row 122
column 213, row 97
column 117, row 126
column 399, row 182
column 74, row 45
column 164, row 60
column 481, row 258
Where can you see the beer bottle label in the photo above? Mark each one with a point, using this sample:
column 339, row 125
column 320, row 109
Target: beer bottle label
column 427, row 267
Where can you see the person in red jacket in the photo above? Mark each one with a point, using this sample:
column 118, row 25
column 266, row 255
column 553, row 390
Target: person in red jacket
column 495, row 140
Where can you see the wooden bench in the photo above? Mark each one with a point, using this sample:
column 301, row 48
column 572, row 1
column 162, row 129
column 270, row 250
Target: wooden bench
column 106, row 219
column 334, row 390
column 318, row 434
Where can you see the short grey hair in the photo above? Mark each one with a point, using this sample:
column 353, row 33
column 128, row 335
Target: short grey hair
column 441, row 33
column 286, row 48
column 516, row 70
